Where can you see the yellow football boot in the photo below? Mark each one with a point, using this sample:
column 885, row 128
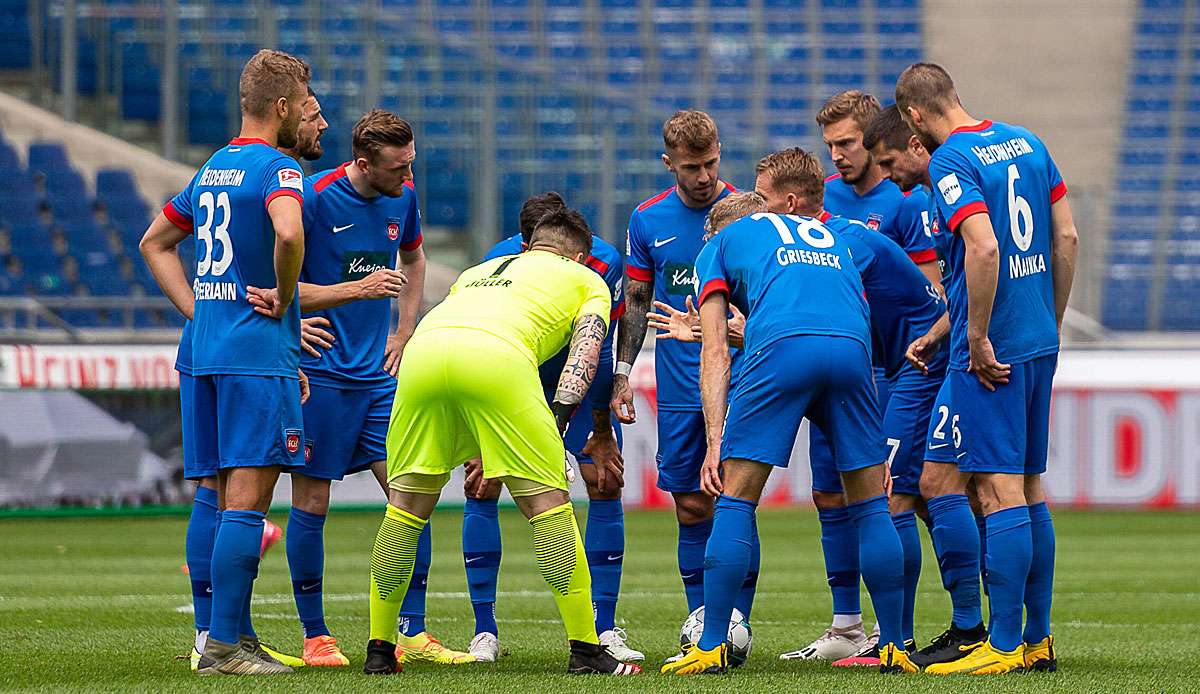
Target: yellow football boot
column 425, row 648
column 1041, row 657
column 698, row 662
column 894, row 660
column 984, row 660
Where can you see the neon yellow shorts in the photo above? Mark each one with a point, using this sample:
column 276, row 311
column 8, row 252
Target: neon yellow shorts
column 463, row 394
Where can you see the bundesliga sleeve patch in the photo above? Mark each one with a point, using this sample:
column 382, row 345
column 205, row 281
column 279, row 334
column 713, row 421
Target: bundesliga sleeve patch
column 291, row 178
column 950, row 188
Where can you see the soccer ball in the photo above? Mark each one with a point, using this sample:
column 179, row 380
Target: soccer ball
column 739, row 637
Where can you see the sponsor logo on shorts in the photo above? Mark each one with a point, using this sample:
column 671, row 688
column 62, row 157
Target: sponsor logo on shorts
column 307, row 450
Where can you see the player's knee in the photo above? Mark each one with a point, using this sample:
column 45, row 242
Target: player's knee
column 595, row 494
column 310, row 494
column 1034, row 492
column 863, row 484
column 901, row 503
column 998, row 491
column 693, row 508
column 826, row 501
column 939, row 479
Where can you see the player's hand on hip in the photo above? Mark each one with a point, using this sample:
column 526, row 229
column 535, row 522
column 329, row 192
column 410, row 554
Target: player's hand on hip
column 393, row 352
column 920, row 352
column 622, row 400
column 313, row 334
column 887, row 479
column 674, row 324
column 382, row 284
column 304, row 388
column 265, row 301
column 984, row 365
column 710, row 473
column 608, row 461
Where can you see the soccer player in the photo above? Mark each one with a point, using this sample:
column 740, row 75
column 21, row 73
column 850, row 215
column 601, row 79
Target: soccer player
column 247, row 205
column 468, row 388
column 1012, row 260
column 857, row 191
column 202, row 522
column 594, row 442
column 804, row 359
column 948, row 496
column 665, row 234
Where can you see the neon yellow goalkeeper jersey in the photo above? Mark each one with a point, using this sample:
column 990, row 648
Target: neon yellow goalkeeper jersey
column 530, row 301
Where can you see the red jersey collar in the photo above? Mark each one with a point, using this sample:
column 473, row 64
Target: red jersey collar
column 249, row 141
column 978, row 127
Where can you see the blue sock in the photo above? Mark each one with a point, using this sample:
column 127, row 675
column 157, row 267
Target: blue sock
column 245, row 626
column 604, row 542
column 910, row 540
column 198, row 549
column 981, row 524
column 412, row 610
column 306, row 559
column 881, row 561
column 745, row 597
column 1010, row 553
column 234, row 567
column 692, row 542
column 1040, row 584
column 955, row 540
column 726, row 561
column 839, row 543
column 481, row 556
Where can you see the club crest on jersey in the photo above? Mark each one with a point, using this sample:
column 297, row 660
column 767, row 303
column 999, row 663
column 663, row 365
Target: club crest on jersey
column 291, row 438
column 308, row 450
column 950, row 188
column 291, row 178
column 393, row 228
column 873, row 221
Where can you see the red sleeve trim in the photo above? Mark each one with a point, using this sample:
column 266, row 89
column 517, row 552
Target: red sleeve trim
column 617, row 312
column 824, row 216
column 921, row 257
column 974, row 208
column 412, row 245
column 596, row 264
column 289, row 193
column 713, row 287
column 174, row 217
column 640, row 274
column 1058, row 192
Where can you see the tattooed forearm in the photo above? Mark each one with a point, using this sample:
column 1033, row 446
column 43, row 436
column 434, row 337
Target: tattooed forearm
column 631, row 330
column 582, row 358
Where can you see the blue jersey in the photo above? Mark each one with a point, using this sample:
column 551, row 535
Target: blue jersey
column 1005, row 172
column 790, row 275
column 903, row 304
column 226, row 205
column 348, row 237
column 606, row 260
column 886, row 209
column 665, row 236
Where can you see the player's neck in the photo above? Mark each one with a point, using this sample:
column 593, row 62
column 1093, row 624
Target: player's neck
column 871, row 178
column 359, row 181
column 955, row 118
column 257, row 130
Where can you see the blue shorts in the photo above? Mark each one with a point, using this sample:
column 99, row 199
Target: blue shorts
column 346, row 428
column 246, row 421
column 681, row 448
column 943, row 437
column 1006, row 431
column 825, row 475
column 202, row 463
column 580, row 428
column 906, row 425
column 826, row 379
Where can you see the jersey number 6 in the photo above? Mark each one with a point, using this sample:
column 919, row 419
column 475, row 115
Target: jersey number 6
column 1020, row 214
column 210, row 235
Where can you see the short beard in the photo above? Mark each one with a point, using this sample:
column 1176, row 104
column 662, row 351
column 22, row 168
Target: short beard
column 311, row 151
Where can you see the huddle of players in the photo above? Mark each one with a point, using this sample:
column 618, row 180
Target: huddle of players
column 539, row 305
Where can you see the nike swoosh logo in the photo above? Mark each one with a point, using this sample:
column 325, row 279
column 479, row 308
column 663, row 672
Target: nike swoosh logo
column 663, row 242
column 468, row 561
column 612, row 558
column 304, row 587
column 339, row 229
column 687, row 576
column 961, row 454
column 208, row 590
column 940, row 445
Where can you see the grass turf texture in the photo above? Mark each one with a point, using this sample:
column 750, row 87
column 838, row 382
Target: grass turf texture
column 93, row 604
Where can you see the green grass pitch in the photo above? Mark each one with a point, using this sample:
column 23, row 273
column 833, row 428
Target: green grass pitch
column 94, row 604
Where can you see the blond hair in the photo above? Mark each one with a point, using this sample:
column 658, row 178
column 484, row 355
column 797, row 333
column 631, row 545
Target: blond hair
column 690, row 131
column 794, row 170
column 852, row 103
column 732, row 208
column 269, row 76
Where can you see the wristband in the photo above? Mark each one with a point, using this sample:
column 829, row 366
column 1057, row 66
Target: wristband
column 623, row 368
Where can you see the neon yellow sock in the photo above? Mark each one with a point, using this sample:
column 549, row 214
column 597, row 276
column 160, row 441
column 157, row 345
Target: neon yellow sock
column 392, row 561
column 558, row 549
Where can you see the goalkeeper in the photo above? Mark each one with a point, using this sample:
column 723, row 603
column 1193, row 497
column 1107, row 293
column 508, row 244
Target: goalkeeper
column 468, row 387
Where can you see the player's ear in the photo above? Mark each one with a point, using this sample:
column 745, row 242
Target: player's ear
column 579, row 257
column 281, row 107
column 667, row 163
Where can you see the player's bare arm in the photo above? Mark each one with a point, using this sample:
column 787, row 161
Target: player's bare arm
column 922, row 349
column 631, row 334
column 583, row 357
column 1065, row 250
column 602, row 448
column 714, row 385
column 286, row 218
column 982, row 266
column 934, row 274
column 159, row 248
column 412, row 264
